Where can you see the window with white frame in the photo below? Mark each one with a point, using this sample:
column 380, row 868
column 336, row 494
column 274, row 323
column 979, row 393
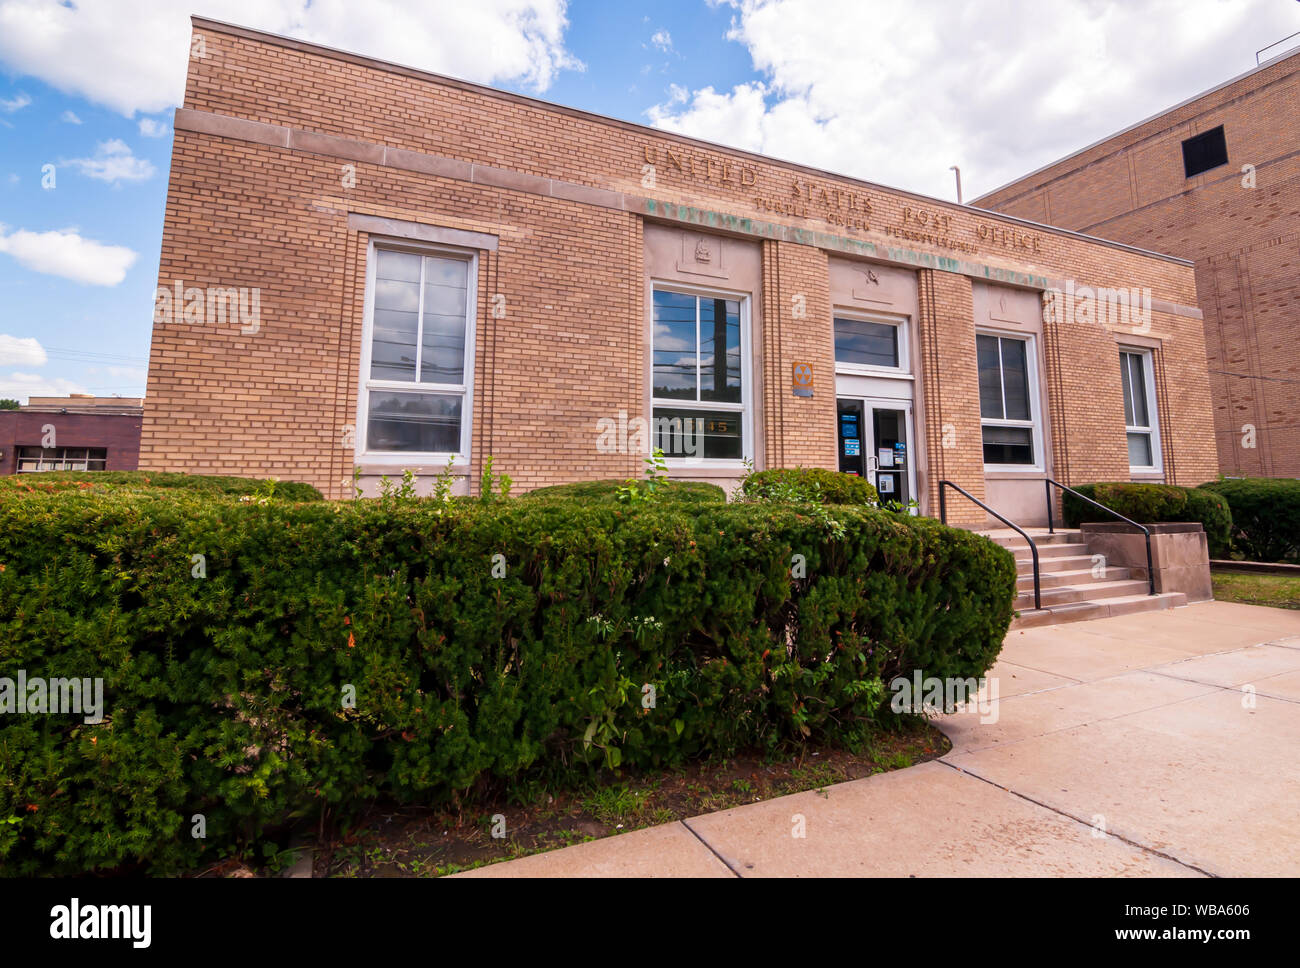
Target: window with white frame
column 35, row 459
column 417, row 361
column 1137, row 377
column 865, row 345
column 1008, row 400
column 699, row 381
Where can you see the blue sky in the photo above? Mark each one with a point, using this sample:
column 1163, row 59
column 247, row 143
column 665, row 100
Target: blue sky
column 892, row 92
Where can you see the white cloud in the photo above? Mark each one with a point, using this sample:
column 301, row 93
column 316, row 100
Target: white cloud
column 895, row 93
column 151, row 128
column 133, row 56
column 662, row 40
column 69, row 117
column 113, row 162
column 18, row 351
column 67, row 255
column 19, row 386
column 10, row 105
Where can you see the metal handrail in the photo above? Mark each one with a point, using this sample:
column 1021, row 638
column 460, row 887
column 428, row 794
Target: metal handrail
column 1033, row 548
column 1047, row 486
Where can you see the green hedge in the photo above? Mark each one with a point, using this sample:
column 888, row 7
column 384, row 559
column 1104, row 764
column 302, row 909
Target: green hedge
column 1152, row 504
column 690, row 492
column 111, row 481
column 1265, row 516
column 223, row 694
column 811, row 483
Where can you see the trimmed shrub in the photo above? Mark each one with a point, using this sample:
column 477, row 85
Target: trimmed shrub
column 1215, row 515
column 230, row 695
column 1152, row 504
column 1265, row 516
column 689, row 492
column 811, row 483
column 104, row 482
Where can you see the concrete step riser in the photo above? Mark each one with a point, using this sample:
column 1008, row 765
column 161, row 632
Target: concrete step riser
column 1061, row 537
column 1065, row 563
column 1105, row 609
column 1051, row 551
column 1049, row 579
column 1070, row 594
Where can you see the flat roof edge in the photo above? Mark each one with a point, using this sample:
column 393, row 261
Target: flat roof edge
column 310, row 46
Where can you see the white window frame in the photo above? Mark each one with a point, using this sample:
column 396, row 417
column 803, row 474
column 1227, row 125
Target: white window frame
column 1035, row 423
column 744, row 408
column 904, row 368
column 1147, row 356
column 459, row 459
column 62, row 461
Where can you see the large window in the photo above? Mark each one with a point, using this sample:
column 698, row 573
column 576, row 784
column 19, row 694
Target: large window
column 866, row 344
column 417, row 364
column 1008, row 404
column 32, row 459
column 699, row 384
column 1138, row 379
column 1204, row 152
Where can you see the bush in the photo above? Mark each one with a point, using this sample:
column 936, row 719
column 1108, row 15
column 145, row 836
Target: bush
column 811, row 483
column 227, row 695
column 689, row 492
column 103, row 482
column 1152, row 504
column 1265, row 516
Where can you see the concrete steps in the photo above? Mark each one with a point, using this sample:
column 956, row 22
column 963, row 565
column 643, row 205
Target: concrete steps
column 1106, row 608
column 1070, row 589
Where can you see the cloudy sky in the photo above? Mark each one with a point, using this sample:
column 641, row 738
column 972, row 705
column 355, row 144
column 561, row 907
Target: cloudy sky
column 890, row 91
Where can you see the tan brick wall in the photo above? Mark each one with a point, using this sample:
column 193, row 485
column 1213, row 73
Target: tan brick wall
column 247, row 209
column 799, row 430
column 1245, row 242
column 949, row 384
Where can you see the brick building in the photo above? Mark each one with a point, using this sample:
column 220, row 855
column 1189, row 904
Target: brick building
column 1215, row 179
column 369, row 266
column 79, row 432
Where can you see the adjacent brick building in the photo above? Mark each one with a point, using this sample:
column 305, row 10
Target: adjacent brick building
column 1215, row 179
column 373, row 267
column 80, row 432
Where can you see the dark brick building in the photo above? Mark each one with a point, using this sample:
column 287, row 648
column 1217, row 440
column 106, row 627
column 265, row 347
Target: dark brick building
column 79, row 432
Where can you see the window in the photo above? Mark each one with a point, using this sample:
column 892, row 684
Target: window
column 1008, row 400
column 32, row 459
column 418, row 355
column 1205, row 151
column 868, row 344
column 699, row 390
column 1136, row 375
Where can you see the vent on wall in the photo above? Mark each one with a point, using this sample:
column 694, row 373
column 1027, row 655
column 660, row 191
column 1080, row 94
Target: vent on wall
column 1205, row 151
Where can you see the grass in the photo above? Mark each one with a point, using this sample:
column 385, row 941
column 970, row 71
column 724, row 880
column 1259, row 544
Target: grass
column 1276, row 591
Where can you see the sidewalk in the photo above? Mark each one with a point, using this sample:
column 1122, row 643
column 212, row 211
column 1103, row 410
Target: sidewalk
column 1156, row 744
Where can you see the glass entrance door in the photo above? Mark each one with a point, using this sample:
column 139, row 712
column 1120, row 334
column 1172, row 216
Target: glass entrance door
column 853, row 451
column 875, row 443
column 889, row 432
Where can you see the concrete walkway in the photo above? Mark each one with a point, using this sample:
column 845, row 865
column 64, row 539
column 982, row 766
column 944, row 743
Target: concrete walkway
column 1163, row 744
